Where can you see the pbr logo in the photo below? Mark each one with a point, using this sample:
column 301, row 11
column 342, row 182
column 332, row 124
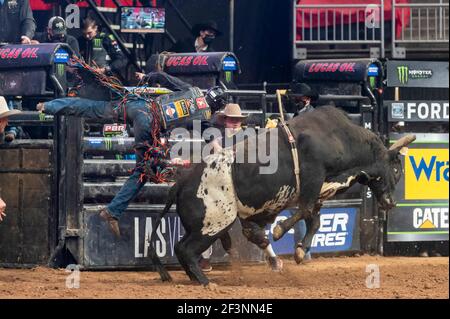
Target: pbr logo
column 405, row 74
column 114, row 130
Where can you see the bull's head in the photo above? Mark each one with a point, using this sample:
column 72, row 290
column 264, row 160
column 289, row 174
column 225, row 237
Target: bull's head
column 386, row 173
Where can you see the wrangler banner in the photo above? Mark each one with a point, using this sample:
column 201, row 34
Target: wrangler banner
column 422, row 193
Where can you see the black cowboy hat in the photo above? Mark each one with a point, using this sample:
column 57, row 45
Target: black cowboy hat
column 302, row 89
column 209, row 25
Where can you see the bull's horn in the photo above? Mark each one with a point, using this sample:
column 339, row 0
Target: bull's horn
column 404, row 141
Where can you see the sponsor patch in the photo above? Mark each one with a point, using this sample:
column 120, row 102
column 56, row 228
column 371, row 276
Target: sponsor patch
column 170, row 112
column 201, row 103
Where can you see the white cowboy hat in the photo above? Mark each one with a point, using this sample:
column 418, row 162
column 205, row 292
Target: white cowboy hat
column 4, row 110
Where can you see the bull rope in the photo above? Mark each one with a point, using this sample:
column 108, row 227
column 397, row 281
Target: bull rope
column 291, row 140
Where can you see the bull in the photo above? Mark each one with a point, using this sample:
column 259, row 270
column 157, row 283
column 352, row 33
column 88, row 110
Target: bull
column 334, row 154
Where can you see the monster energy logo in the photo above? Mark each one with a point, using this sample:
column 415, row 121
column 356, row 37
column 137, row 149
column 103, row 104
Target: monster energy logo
column 60, row 69
column 405, row 74
column 108, row 143
column 97, row 43
column 228, row 76
column 44, row 117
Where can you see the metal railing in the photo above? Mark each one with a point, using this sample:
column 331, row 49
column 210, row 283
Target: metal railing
column 417, row 22
column 426, row 23
column 333, row 24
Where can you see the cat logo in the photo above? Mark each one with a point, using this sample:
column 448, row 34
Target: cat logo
column 430, row 218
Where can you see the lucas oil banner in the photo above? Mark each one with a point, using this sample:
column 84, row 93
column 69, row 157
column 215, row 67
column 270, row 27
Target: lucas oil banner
column 422, row 193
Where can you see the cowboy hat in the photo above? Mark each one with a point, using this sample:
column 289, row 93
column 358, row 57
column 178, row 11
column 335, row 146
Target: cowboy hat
column 4, row 110
column 209, row 25
column 232, row 110
column 302, row 89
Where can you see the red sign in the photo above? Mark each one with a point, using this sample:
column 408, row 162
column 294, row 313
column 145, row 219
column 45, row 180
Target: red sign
column 187, row 60
column 15, row 53
column 201, row 103
column 331, row 67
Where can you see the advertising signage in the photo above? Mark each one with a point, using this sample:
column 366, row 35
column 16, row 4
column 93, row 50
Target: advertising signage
column 338, row 232
column 422, row 193
column 417, row 74
column 417, row 111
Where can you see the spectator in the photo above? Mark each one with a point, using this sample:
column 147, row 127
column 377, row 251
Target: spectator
column 17, row 25
column 2, row 209
column 301, row 98
column 96, row 47
column 204, row 35
column 57, row 33
column 4, row 113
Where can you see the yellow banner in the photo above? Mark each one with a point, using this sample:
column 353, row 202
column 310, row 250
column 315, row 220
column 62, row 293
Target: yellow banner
column 426, row 174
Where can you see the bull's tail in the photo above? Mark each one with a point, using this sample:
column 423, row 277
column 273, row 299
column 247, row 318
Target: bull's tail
column 165, row 276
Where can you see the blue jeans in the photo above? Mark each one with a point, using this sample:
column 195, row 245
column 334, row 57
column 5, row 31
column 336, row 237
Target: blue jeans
column 300, row 231
column 12, row 104
column 137, row 113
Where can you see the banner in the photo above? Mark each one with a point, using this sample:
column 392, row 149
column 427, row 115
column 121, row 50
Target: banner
column 208, row 62
column 417, row 111
column 422, row 193
column 27, row 56
column 424, row 74
column 337, row 70
column 338, row 232
column 101, row 249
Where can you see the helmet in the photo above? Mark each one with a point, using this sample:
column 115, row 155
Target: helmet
column 216, row 98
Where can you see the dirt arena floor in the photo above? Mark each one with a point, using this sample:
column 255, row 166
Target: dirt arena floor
column 340, row 277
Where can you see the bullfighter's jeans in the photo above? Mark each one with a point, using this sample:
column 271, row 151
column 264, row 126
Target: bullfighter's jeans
column 137, row 113
column 300, row 231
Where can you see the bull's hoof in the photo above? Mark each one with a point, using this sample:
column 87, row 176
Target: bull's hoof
column 165, row 276
column 299, row 255
column 276, row 264
column 278, row 232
